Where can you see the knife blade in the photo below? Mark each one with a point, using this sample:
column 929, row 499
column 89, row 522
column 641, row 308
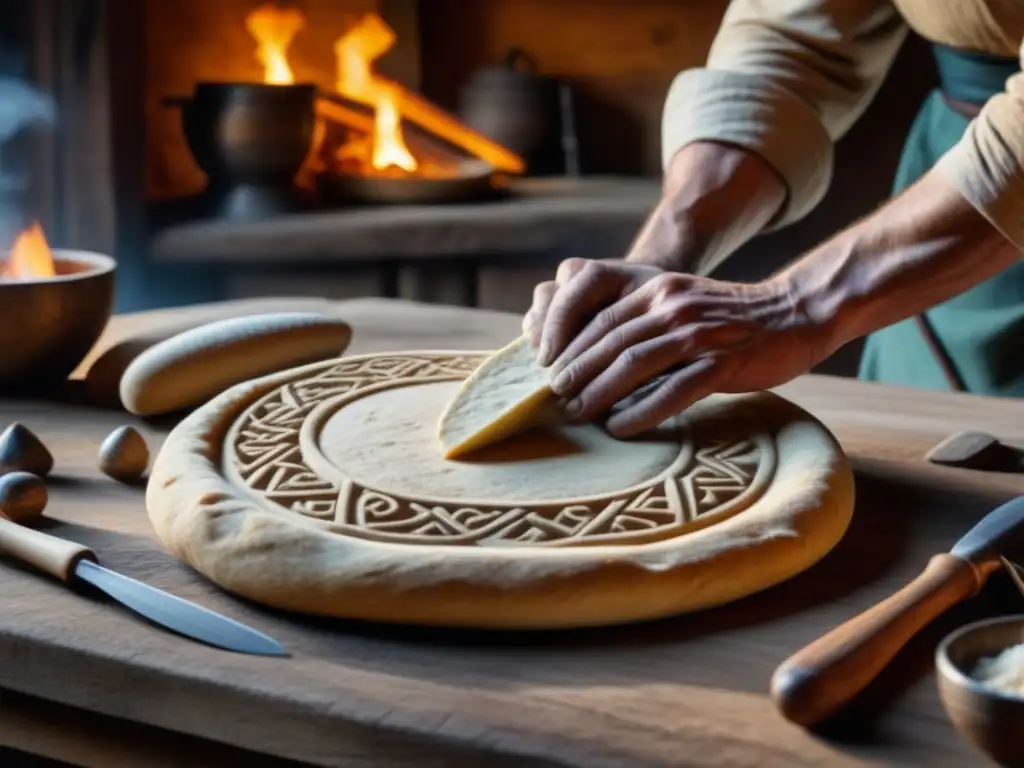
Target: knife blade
column 176, row 614
column 998, row 532
column 814, row 683
column 71, row 562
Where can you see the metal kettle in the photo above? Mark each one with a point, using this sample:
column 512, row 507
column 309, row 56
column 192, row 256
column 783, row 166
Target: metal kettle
column 523, row 110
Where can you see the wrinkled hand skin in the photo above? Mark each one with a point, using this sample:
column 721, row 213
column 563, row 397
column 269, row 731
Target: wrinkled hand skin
column 608, row 328
column 581, row 288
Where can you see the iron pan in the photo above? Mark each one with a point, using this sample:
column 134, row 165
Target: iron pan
column 476, row 181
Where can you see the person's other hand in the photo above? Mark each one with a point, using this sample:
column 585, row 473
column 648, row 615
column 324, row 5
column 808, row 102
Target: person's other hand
column 703, row 336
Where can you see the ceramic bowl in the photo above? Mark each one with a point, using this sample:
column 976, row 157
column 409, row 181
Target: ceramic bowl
column 992, row 720
column 48, row 325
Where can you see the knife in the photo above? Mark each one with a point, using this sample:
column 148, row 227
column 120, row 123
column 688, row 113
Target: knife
column 818, row 680
column 72, row 562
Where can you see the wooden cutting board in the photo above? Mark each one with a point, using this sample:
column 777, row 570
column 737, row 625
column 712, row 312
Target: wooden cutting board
column 690, row 691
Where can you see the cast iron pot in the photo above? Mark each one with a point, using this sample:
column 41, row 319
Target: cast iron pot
column 518, row 107
column 249, row 133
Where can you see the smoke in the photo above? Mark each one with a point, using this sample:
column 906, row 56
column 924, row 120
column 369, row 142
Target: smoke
column 21, row 107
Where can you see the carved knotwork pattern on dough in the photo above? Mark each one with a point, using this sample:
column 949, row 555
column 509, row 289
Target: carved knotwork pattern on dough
column 268, row 459
column 266, row 451
column 720, row 471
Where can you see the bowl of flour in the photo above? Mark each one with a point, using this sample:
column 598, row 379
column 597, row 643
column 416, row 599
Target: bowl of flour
column 981, row 682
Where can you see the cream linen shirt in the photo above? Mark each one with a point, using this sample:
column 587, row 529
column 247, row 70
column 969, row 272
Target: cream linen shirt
column 787, row 78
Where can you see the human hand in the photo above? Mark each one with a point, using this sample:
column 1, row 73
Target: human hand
column 715, row 197
column 581, row 288
column 705, row 336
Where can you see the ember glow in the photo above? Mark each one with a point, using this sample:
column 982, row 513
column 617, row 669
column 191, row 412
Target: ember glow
column 273, row 28
column 30, row 257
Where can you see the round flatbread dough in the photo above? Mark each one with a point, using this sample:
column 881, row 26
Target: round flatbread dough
column 397, row 453
column 322, row 490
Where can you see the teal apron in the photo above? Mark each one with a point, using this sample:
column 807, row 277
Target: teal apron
column 975, row 341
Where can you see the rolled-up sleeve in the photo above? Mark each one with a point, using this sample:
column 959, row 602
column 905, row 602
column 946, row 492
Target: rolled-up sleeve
column 987, row 164
column 786, row 79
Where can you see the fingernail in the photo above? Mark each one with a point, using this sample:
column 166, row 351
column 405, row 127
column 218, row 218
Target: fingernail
column 573, row 408
column 543, row 353
column 561, row 382
column 615, row 430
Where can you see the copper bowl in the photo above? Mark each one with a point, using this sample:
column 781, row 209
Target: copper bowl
column 48, row 325
column 992, row 720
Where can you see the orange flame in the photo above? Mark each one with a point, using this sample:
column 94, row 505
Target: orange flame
column 30, row 257
column 389, row 148
column 356, row 51
column 273, row 28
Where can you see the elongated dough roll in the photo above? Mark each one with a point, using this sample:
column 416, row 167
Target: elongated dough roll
column 190, row 368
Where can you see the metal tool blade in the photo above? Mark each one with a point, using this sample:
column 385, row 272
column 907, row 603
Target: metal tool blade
column 1016, row 573
column 1000, row 531
column 178, row 615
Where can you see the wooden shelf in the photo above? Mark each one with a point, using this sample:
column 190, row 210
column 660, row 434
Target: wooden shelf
column 596, row 215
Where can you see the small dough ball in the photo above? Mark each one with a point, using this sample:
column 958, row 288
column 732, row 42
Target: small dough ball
column 124, row 455
column 23, row 496
column 21, row 450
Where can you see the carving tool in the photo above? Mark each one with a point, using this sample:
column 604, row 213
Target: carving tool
column 72, row 562
column 818, row 680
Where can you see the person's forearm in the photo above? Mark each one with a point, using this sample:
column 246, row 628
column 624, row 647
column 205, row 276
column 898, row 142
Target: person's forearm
column 714, row 199
column 922, row 248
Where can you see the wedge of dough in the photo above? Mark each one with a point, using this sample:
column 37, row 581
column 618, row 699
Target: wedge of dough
column 509, row 393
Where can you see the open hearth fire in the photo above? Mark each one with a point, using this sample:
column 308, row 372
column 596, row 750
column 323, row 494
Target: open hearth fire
column 355, row 52
column 370, row 139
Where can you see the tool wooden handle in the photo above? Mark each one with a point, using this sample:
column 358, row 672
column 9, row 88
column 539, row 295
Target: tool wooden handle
column 816, row 681
column 49, row 554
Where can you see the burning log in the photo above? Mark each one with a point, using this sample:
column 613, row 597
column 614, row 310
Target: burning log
column 360, row 119
column 356, row 51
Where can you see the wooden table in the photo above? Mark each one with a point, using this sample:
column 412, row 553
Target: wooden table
column 97, row 687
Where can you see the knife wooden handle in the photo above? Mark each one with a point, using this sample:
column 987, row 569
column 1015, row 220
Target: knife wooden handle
column 819, row 679
column 49, row 554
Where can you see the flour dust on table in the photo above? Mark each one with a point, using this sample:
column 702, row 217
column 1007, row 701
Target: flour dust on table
column 324, row 489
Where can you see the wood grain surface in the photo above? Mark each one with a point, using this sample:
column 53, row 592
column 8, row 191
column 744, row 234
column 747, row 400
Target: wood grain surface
column 691, row 691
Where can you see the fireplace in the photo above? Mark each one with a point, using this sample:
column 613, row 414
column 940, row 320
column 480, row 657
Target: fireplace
column 507, row 135
column 268, row 143
column 500, row 82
